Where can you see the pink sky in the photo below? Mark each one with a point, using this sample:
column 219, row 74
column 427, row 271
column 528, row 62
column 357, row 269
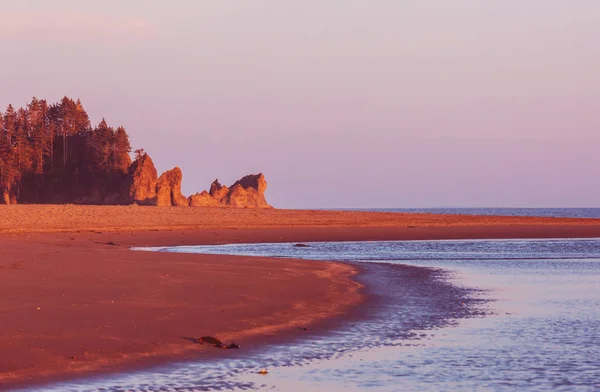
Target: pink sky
column 340, row 103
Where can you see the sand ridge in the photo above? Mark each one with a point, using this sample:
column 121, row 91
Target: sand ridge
column 66, row 218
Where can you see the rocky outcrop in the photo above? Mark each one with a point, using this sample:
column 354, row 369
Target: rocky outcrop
column 203, row 199
column 218, row 191
column 138, row 185
column 141, row 184
column 249, row 192
column 93, row 165
column 168, row 189
column 144, row 188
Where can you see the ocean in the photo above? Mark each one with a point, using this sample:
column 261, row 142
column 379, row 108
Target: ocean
column 498, row 315
column 550, row 212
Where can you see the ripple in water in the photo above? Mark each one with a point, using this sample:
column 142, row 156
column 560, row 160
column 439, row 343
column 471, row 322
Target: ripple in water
column 542, row 331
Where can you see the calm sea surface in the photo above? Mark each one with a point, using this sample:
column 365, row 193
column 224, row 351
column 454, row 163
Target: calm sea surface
column 554, row 212
column 448, row 315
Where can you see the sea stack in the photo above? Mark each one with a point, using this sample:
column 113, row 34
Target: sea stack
column 141, row 185
column 248, row 192
column 168, row 189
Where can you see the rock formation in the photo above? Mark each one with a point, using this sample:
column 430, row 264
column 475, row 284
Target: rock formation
column 92, row 164
column 218, row 191
column 168, row 189
column 141, row 184
column 249, row 192
column 203, row 199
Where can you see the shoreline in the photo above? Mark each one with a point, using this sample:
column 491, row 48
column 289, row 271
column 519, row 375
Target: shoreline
column 72, row 322
column 45, row 266
column 391, row 315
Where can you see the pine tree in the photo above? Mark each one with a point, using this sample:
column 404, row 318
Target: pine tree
column 121, row 150
column 3, row 198
column 8, row 167
column 10, row 123
column 73, row 120
column 139, row 153
column 57, row 140
column 40, row 140
column 101, row 142
column 22, row 148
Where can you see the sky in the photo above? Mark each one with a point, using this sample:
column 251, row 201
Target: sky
column 340, row 103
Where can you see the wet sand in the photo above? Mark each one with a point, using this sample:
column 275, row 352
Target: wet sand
column 74, row 298
column 72, row 304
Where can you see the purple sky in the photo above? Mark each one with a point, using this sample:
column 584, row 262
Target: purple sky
column 346, row 103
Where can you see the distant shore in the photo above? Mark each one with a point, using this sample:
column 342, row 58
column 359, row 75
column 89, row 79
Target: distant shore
column 76, row 300
column 78, row 218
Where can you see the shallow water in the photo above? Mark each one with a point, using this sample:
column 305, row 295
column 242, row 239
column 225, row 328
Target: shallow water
column 540, row 332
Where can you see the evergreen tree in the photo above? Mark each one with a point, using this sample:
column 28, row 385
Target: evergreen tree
column 21, row 140
column 40, row 139
column 8, row 162
column 73, row 120
column 57, row 140
column 101, row 144
column 10, row 124
column 121, row 150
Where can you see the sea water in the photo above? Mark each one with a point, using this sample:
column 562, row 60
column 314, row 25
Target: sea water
column 541, row 212
column 448, row 315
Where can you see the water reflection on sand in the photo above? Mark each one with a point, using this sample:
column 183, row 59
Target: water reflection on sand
column 541, row 332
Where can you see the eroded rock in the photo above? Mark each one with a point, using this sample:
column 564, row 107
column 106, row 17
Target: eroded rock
column 141, row 185
column 248, row 192
column 168, row 189
column 203, row 199
column 218, row 191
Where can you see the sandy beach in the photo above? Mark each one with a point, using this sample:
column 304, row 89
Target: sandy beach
column 75, row 299
column 73, row 218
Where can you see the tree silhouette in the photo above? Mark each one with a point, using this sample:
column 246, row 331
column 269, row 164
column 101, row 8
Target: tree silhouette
column 55, row 145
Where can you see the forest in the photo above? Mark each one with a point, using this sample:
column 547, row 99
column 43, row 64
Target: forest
column 50, row 153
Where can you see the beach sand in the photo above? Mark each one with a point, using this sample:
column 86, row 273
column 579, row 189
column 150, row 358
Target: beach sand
column 74, row 299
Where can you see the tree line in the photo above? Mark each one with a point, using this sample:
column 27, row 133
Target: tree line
column 57, row 140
